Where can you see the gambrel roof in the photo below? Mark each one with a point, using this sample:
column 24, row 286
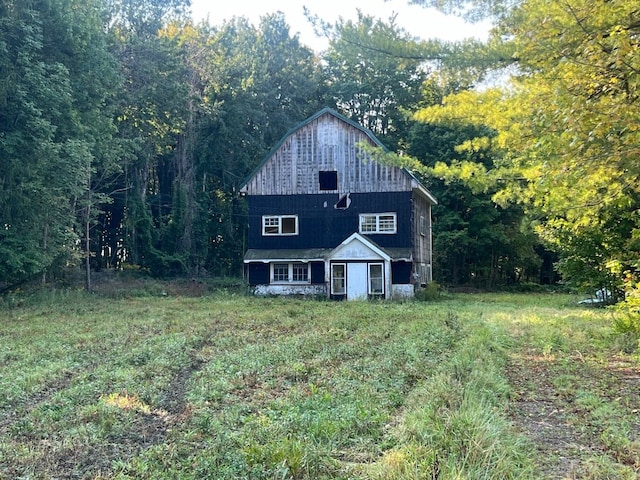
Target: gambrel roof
column 328, row 141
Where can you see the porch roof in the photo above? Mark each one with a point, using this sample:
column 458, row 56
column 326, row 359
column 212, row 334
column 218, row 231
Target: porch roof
column 312, row 254
column 288, row 255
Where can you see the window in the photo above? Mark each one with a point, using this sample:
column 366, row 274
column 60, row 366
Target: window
column 338, row 279
column 328, row 180
column 376, row 279
column 300, row 272
column 378, row 223
column 280, row 272
column 289, row 273
column 280, row 225
column 423, row 225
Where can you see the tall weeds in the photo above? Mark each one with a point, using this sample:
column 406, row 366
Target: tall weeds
column 454, row 425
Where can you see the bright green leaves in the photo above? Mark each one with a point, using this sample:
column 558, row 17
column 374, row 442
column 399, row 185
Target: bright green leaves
column 566, row 142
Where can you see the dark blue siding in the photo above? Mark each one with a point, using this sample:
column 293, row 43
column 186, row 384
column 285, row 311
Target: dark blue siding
column 323, row 226
column 258, row 274
column 317, row 272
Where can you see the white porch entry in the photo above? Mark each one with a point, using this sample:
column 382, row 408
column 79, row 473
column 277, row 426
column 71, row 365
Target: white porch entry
column 359, row 269
column 357, row 281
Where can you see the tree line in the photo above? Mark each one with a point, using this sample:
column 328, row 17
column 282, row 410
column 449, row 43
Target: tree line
column 126, row 130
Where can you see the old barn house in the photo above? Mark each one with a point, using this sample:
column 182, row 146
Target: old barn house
column 326, row 219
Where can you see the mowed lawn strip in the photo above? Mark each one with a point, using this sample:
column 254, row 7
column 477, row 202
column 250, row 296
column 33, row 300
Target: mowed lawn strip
column 237, row 387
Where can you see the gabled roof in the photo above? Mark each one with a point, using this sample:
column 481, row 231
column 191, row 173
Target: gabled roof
column 367, row 243
column 315, row 116
column 416, row 185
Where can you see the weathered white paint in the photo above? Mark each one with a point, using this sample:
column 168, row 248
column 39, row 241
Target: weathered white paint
column 357, row 281
column 401, row 292
column 357, row 247
column 303, row 290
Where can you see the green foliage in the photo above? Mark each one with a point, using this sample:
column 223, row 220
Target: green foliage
column 367, row 83
column 430, row 293
column 575, row 83
column 56, row 129
column 476, row 242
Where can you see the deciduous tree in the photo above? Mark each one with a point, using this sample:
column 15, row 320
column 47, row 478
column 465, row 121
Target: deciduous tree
column 567, row 127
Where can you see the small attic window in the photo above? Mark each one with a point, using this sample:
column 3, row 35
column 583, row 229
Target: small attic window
column 328, row 180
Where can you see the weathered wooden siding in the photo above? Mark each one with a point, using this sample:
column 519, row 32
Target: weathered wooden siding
column 421, row 235
column 325, row 144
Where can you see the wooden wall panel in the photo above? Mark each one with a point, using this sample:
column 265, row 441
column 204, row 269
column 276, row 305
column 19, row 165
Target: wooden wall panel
column 325, row 144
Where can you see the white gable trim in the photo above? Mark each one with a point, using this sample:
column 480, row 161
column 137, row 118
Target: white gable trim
column 358, row 247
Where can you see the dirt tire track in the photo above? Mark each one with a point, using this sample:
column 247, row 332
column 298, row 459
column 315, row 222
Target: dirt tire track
column 28, row 404
column 88, row 460
column 540, row 413
column 550, row 419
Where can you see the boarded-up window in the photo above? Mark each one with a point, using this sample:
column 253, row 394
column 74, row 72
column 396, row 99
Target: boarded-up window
column 289, row 225
column 328, row 180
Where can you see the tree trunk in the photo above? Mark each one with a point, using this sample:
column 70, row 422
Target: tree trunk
column 87, row 252
column 45, row 240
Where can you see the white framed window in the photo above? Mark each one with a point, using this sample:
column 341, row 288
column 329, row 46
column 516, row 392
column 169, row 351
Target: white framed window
column 296, row 272
column 280, row 225
column 376, row 279
column 279, row 272
column 423, row 225
column 338, row 278
column 299, row 272
column 378, row 223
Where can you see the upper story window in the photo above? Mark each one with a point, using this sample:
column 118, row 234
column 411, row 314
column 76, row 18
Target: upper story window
column 378, row 223
column 280, row 225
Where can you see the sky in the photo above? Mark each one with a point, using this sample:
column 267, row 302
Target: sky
column 418, row 21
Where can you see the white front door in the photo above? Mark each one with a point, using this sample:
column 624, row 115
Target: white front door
column 357, row 287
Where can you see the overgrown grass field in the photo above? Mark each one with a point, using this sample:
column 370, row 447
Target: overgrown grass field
column 223, row 386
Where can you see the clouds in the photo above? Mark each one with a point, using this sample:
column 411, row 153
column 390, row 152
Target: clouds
column 419, row 21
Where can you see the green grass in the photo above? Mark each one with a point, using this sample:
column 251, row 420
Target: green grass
column 227, row 386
